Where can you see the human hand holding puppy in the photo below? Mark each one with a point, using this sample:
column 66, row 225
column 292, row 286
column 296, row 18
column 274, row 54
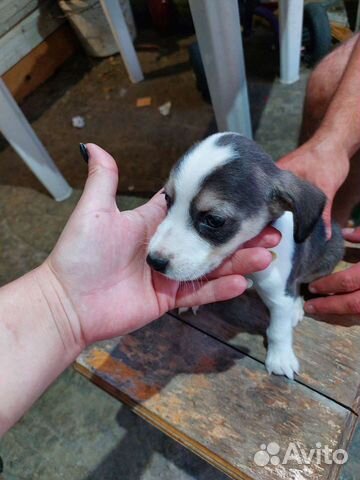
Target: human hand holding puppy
column 330, row 159
column 343, row 288
column 96, row 284
column 100, row 261
column 325, row 162
column 322, row 161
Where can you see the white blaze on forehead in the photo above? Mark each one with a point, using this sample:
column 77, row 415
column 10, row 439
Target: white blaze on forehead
column 198, row 164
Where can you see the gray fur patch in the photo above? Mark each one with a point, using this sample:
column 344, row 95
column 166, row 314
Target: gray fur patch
column 315, row 257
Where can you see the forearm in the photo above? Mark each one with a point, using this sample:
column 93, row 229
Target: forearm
column 342, row 118
column 37, row 341
column 324, row 159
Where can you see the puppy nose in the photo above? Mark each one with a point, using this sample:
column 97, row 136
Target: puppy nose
column 157, row 263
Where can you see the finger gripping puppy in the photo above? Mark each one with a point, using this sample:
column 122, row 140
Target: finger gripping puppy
column 222, row 193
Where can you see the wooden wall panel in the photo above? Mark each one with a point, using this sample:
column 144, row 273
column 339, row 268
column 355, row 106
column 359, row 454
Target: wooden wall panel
column 38, row 65
column 28, row 33
column 13, row 11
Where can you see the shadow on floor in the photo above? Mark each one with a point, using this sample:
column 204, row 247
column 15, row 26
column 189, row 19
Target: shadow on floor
column 134, row 455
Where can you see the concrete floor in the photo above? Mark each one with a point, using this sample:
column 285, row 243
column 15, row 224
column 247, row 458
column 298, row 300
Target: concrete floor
column 144, row 143
column 76, row 431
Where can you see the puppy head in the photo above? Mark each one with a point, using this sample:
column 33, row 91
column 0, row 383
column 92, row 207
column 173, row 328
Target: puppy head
column 220, row 194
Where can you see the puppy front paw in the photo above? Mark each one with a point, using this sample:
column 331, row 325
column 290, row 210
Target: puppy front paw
column 281, row 360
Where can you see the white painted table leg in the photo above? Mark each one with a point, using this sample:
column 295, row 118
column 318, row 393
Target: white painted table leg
column 123, row 39
column 18, row 132
column 291, row 22
column 217, row 26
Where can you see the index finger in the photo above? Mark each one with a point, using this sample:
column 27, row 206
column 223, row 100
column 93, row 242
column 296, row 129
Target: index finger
column 352, row 234
column 244, row 262
column 340, row 282
column 268, row 238
column 153, row 211
column 346, row 304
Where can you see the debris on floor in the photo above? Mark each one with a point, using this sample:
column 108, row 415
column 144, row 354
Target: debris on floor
column 78, row 121
column 143, row 102
column 165, row 109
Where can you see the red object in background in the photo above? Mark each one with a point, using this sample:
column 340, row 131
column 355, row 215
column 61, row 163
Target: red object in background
column 161, row 12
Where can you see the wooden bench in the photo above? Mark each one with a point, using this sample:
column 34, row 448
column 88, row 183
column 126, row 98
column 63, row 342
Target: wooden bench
column 201, row 380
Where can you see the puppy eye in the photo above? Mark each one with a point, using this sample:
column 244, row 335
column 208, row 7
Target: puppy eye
column 168, row 199
column 213, row 221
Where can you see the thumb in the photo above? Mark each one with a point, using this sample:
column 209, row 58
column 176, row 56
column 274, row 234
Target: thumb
column 351, row 234
column 102, row 181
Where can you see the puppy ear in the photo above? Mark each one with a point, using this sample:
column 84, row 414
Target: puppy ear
column 302, row 198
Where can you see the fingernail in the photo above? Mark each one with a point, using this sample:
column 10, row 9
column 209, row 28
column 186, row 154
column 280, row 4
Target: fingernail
column 273, row 254
column 347, row 231
column 312, row 289
column 250, row 283
column 309, row 308
column 84, row 152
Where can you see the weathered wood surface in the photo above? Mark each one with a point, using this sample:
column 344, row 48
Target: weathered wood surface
column 13, row 11
column 38, row 65
column 328, row 348
column 28, row 33
column 215, row 400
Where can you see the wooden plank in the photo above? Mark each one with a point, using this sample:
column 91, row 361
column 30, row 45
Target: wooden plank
column 40, row 64
column 28, row 33
column 216, row 401
column 13, row 11
column 328, row 349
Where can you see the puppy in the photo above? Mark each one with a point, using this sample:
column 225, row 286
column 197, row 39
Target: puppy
column 222, row 193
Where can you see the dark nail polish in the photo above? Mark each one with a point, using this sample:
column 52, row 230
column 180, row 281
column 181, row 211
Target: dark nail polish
column 84, row 152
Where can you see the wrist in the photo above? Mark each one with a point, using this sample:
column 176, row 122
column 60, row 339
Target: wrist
column 59, row 311
column 329, row 148
column 322, row 161
column 38, row 340
column 339, row 135
column 328, row 140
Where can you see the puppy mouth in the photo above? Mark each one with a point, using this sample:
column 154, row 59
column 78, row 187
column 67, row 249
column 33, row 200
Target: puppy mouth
column 185, row 278
column 190, row 276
